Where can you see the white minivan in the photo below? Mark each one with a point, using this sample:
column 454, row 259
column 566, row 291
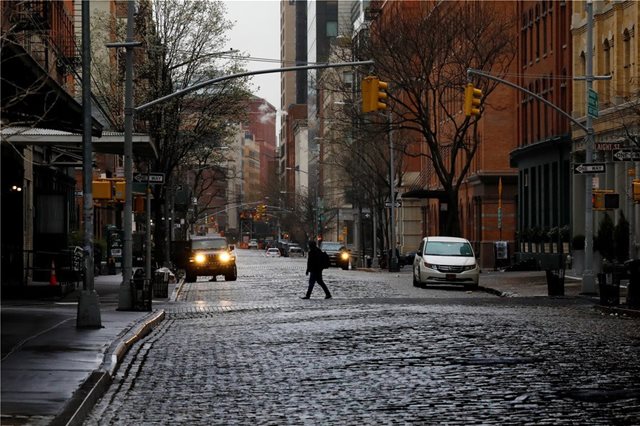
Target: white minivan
column 445, row 260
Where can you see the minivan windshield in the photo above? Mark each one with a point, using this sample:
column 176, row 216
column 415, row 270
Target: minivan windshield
column 213, row 244
column 447, row 248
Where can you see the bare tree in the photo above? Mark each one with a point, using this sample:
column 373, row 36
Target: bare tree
column 424, row 56
column 183, row 44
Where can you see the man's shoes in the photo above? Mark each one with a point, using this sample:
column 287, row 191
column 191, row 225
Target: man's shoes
column 304, row 297
column 328, row 297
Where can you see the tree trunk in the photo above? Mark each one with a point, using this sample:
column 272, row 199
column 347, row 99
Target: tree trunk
column 452, row 223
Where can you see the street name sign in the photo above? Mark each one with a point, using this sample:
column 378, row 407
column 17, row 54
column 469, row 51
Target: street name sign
column 589, row 168
column 152, row 178
column 626, row 155
column 592, row 108
column 608, row 146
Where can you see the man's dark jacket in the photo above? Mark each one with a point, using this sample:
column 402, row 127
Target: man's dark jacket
column 314, row 260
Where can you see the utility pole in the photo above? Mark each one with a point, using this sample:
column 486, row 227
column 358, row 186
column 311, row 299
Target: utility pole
column 588, row 281
column 88, row 303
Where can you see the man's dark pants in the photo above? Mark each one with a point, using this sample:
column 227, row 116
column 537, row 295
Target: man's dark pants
column 317, row 277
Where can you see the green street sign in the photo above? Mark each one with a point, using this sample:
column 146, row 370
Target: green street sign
column 592, row 108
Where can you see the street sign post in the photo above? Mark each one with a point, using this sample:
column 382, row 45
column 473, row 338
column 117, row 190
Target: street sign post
column 626, row 155
column 152, row 178
column 593, row 103
column 589, row 168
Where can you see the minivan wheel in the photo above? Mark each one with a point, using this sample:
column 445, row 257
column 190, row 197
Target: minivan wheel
column 416, row 283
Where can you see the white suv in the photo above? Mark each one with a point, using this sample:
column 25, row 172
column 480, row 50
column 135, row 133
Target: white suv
column 445, row 260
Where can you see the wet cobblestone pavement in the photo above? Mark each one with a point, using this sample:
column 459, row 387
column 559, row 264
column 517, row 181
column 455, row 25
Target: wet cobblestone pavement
column 380, row 352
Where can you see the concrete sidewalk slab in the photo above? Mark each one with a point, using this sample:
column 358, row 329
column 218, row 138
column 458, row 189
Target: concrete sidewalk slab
column 52, row 371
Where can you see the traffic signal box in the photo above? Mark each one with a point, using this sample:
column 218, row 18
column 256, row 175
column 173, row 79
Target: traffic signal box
column 472, row 100
column 636, row 190
column 120, row 194
column 374, row 94
column 605, row 199
column 108, row 189
column 101, row 190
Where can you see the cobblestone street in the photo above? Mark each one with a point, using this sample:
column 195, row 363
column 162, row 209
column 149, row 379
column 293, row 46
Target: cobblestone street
column 380, row 352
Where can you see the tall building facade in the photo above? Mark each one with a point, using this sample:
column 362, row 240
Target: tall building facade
column 39, row 57
column 293, row 51
column 542, row 156
column 617, row 127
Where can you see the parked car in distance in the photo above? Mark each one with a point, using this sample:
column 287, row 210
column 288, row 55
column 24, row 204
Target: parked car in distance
column 253, row 244
column 445, row 260
column 339, row 255
column 295, row 251
column 272, row 252
column 211, row 256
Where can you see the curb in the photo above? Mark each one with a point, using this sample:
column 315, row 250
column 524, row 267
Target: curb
column 635, row 313
column 493, row 291
column 83, row 400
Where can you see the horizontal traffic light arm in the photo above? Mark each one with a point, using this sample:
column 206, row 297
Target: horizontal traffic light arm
column 530, row 93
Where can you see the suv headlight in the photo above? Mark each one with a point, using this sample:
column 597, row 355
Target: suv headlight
column 224, row 257
column 344, row 255
column 200, row 258
column 469, row 267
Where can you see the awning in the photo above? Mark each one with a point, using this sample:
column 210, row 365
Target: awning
column 71, row 143
column 31, row 97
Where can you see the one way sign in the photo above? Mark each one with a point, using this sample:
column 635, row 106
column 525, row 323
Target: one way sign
column 589, row 168
column 151, row 178
column 626, row 155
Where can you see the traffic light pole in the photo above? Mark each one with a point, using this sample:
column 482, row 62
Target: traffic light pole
column 393, row 258
column 125, row 301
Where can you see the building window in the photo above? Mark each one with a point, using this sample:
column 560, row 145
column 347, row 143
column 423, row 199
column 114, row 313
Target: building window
column 626, row 58
column 523, row 40
column 332, row 29
column 606, row 69
column 537, row 32
column 544, row 34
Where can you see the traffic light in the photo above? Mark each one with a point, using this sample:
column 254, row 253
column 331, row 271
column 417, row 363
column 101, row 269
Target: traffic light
column 472, row 98
column 374, row 94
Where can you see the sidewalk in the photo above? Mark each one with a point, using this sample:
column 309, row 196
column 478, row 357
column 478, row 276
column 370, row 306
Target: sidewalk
column 53, row 373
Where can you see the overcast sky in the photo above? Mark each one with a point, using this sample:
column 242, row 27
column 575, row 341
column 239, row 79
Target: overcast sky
column 256, row 32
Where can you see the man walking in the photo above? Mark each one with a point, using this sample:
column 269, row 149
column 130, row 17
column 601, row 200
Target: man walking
column 315, row 265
